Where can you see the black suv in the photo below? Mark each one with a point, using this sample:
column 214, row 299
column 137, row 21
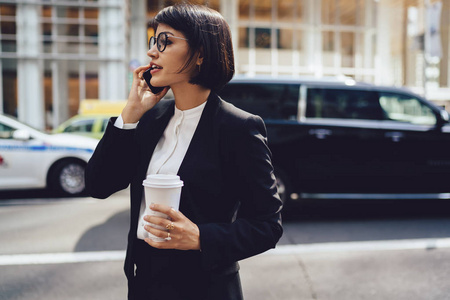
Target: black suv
column 344, row 139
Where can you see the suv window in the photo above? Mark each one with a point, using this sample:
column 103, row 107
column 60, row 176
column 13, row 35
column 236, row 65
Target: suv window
column 403, row 108
column 270, row 101
column 343, row 104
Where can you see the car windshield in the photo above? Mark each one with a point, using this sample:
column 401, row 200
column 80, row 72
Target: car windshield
column 21, row 122
column 80, row 126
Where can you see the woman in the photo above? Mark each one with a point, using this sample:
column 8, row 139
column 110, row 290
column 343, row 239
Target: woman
column 229, row 208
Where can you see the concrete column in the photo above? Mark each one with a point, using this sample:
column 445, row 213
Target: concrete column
column 368, row 38
column 229, row 10
column 273, row 39
column 445, row 35
column 137, row 54
column 338, row 55
column 313, row 37
column 60, row 73
column 251, row 37
column 138, row 32
column 383, row 62
column 30, row 65
column 112, row 50
column 60, row 92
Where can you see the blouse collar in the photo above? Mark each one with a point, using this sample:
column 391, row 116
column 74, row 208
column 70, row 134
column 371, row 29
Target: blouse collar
column 190, row 113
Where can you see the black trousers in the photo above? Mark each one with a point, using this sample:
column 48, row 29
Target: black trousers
column 170, row 276
column 228, row 288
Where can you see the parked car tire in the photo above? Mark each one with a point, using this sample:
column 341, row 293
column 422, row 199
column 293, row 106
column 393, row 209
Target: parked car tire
column 67, row 178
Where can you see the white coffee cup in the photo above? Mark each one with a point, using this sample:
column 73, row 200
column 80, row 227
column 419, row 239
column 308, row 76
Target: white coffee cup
column 161, row 189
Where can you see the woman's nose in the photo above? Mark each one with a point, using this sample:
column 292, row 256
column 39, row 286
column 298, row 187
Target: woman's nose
column 153, row 51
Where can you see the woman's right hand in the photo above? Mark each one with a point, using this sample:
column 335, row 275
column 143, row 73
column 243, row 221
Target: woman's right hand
column 140, row 99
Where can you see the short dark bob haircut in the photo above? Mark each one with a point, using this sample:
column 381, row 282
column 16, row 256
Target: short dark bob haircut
column 208, row 32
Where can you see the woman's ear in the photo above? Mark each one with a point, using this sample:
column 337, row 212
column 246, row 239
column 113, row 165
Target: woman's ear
column 200, row 56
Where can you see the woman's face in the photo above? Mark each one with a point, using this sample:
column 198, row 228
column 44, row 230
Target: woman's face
column 166, row 65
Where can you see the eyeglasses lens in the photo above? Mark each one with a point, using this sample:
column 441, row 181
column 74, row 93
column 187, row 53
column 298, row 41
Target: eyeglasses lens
column 160, row 41
column 151, row 42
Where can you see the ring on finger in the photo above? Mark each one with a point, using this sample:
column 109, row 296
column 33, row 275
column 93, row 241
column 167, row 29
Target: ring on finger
column 170, row 226
column 168, row 235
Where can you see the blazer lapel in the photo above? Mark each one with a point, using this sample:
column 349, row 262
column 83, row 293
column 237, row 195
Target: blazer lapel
column 204, row 137
column 151, row 134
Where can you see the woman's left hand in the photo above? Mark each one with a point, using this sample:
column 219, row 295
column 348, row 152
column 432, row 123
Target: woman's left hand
column 184, row 234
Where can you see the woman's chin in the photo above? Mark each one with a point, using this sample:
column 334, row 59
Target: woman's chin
column 156, row 83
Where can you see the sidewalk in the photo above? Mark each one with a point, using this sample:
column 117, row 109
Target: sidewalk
column 354, row 275
column 270, row 277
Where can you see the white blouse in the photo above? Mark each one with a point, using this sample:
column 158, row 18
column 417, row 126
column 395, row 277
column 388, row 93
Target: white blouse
column 171, row 148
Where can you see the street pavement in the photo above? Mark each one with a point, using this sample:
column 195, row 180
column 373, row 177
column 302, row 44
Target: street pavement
column 87, row 238
column 397, row 274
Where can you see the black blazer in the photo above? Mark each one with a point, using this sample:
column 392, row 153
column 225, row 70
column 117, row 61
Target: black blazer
column 229, row 192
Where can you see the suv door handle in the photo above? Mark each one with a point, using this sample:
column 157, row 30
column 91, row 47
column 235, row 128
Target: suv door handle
column 320, row 133
column 395, row 136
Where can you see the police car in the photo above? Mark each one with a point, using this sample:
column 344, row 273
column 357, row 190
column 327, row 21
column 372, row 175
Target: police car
column 32, row 159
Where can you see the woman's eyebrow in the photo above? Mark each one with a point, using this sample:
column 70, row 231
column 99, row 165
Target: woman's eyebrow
column 168, row 32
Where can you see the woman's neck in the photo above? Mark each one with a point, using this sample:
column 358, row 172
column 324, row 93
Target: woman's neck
column 190, row 96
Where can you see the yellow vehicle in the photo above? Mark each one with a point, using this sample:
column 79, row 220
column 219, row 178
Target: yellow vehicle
column 101, row 107
column 92, row 118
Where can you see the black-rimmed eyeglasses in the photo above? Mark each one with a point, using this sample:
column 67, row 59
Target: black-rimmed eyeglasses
column 161, row 41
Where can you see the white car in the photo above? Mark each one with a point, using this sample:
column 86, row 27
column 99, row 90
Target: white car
column 32, row 159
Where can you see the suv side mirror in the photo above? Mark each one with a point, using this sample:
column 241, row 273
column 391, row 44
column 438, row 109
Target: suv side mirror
column 21, row 135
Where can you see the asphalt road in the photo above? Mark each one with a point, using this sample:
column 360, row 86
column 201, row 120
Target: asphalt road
column 73, row 248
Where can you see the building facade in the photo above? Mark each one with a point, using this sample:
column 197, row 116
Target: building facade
column 55, row 53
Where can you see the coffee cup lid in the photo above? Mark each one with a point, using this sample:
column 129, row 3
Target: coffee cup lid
column 162, row 181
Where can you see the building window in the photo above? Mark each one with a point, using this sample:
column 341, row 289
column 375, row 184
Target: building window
column 8, row 68
column 244, row 10
column 66, row 51
column 304, row 37
column 8, row 28
column 262, row 10
column 70, row 30
column 262, row 37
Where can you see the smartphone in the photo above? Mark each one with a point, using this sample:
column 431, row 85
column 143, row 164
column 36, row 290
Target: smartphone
column 147, row 76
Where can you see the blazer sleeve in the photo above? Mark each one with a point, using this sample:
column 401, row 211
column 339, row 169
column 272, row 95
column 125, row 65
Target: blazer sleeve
column 257, row 227
column 113, row 163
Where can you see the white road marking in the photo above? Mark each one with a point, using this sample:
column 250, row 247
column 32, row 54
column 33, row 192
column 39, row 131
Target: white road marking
column 384, row 245
column 101, row 256
column 61, row 258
